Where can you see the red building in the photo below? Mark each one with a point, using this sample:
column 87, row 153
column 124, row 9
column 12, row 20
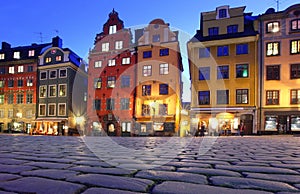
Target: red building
column 111, row 80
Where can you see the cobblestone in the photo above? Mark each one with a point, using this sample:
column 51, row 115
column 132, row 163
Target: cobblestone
column 50, row 164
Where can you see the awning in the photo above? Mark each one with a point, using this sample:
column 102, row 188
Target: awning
column 50, row 119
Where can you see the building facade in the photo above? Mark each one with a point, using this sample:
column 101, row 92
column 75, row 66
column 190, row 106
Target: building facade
column 61, row 91
column 111, row 82
column 18, row 86
column 158, row 78
column 223, row 71
column 280, row 64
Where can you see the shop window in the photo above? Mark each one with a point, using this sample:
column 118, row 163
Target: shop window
column 145, row 110
column 163, row 109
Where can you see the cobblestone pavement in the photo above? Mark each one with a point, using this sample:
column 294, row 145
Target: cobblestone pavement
column 48, row 164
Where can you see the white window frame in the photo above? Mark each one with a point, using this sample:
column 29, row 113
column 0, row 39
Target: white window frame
column 118, row 44
column 51, row 104
column 59, row 90
column 126, row 60
column 40, row 105
column 49, row 90
column 11, row 69
column 17, row 55
column 65, row 109
column 41, row 75
column 31, row 53
column 112, row 29
column 98, row 64
column 2, row 56
column 164, row 69
column 29, row 82
column 50, row 74
column 111, row 62
column 105, row 46
column 147, row 70
column 65, row 75
column 20, row 69
column 43, row 86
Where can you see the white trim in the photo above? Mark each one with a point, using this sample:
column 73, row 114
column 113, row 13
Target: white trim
column 65, row 111
column 54, row 109
column 40, row 109
column 49, row 90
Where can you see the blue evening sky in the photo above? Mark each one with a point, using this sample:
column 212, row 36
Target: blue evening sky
column 78, row 21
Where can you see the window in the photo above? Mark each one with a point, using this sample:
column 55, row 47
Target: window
column 145, row 110
column 48, row 59
column 2, row 56
column 295, row 47
column 164, row 69
column 98, row 64
column 10, row 98
column 295, row 24
column 2, row 83
column 272, row 97
column 1, row 98
column 58, row 58
column 43, row 91
column 111, row 62
column 118, row 45
column 126, row 61
column 29, row 98
column 273, row 72
column 163, row 109
column 272, row 27
column 124, row 103
column 126, row 127
column 1, row 113
column 62, row 90
column 242, row 96
column 223, row 72
column 163, row 89
column 204, row 97
column 125, row 81
column 16, row 55
column 295, row 71
column 11, row 69
column 10, row 83
column 222, row 96
column 97, row 104
column 232, row 29
column 111, row 81
column 51, row 109
column 42, row 109
column 52, row 91
column 105, row 47
column 20, row 69
column 241, row 49
column 204, row 52
column 20, row 83
column 156, row 38
column 43, row 75
column 20, row 98
column 242, row 71
column 222, row 13
column 223, row 51
column 273, row 48
column 29, row 114
column 30, row 68
column 2, row 70
column 295, row 96
column 10, row 113
column 147, row 70
column 213, row 31
column 53, row 74
column 112, row 29
column 62, row 73
column 204, row 73
column 29, row 82
column 31, row 53
column 164, row 52
column 97, row 83
column 147, row 54
column 146, row 90
column 61, row 109
column 110, row 104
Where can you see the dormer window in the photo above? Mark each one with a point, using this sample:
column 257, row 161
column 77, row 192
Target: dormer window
column 17, row 55
column 31, row 53
column 222, row 12
column 112, row 29
column 48, row 59
column 272, row 27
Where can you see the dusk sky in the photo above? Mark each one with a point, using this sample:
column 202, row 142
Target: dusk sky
column 78, row 22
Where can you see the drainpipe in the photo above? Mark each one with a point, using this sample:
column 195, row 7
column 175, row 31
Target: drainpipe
column 261, row 76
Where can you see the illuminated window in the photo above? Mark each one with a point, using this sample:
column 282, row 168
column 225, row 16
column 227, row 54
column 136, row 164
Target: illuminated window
column 2, row 83
column 272, row 97
column 11, row 69
column 242, row 71
column 2, row 56
column 52, row 91
column 61, row 109
column 10, row 113
column 223, row 72
column 51, row 109
column 164, row 69
column 273, row 48
column 126, row 60
column 29, row 82
column 62, row 90
column 42, row 109
column 222, row 96
column 1, row 113
column 97, row 83
column 111, row 81
column 112, row 29
column 147, row 70
column 118, row 45
column 295, row 24
column 203, row 97
column 29, row 98
column 273, row 72
column 145, row 110
column 98, row 64
column 105, row 47
column 43, row 91
column 20, row 69
column 146, row 90
column 31, row 53
column 111, row 62
column 58, row 58
column 272, row 27
column 20, row 98
column 17, row 55
column 1, row 98
column 242, row 96
column 295, row 47
column 295, row 71
column 48, row 59
column 295, row 96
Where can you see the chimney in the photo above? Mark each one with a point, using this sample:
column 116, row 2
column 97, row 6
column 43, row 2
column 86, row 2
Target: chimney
column 5, row 46
column 57, row 42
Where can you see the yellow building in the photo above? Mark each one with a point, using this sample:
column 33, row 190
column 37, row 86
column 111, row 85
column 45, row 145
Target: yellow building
column 223, row 71
column 158, row 92
column 280, row 72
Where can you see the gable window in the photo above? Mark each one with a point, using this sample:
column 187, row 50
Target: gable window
column 242, row 49
column 97, row 104
column 118, row 45
column 16, row 55
column 111, row 62
column 97, row 83
column 222, row 96
column 204, row 52
column 273, row 72
column 223, row 72
column 222, row 13
column 98, row 64
column 2, row 56
column 52, row 91
column 105, row 47
column 164, row 69
column 223, row 50
column 31, row 53
column 295, row 71
column 43, row 75
column 295, row 47
column 147, row 54
column 147, row 70
column 61, row 109
column 146, row 90
column 125, row 81
column 163, row 89
column 111, row 81
column 29, row 98
column 48, row 59
column 295, row 24
column 51, row 109
column 112, row 29
column 124, row 103
column 62, row 73
column 295, row 96
column 20, row 69
column 58, row 58
column 43, row 91
column 204, row 73
column 110, row 104
column 213, row 31
column 126, row 61
column 232, row 29
column 272, row 97
column 273, row 48
column 242, row 71
column 11, row 69
column 203, row 97
column 242, row 96
column 42, row 109
column 53, row 74
column 272, row 27
column 20, row 83
column 156, row 38
column 62, row 90
column 164, row 52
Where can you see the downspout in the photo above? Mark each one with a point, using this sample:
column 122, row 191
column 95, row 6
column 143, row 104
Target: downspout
column 261, row 77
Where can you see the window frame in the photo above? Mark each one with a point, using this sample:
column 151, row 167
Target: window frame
column 270, row 29
column 98, row 83
column 271, row 72
column 223, row 70
column 105, row 47
column 204, row 97
column 297, row 49
column 147, row 54
column 98, row 64
column 268, row 50
column 45, row 109
column 50, row 74
column 125, row 103
column 163, row 89
column 146, row 90
column 231, row 29
column 52, row 95
column 147, row 70
column 238, row 69
column 46, row 75
column 110, row 104
column 297, row 71
column 125, row 81
column 54, row 109
column 60, row 70
column 242, row 49
column 223, row 51
column 204, row 73
column 164, row 52
column 272, row 92
column 240, row 94
column 59, row 89
column 111, row 82
column 163, row 69
column 297, row 25
column 222, row 96
column 59, row 108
